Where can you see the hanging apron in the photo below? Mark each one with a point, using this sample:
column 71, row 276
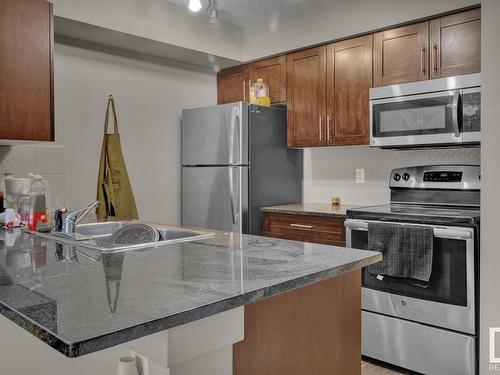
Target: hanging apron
column 114, row 191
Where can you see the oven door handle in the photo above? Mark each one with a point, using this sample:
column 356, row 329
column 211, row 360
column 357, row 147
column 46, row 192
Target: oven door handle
column 440, row 232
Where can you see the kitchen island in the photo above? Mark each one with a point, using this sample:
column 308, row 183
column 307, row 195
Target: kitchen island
column 181, row 307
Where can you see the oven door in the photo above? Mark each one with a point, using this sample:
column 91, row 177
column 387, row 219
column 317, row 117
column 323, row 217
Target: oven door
column 415, row 120
column 449, row 299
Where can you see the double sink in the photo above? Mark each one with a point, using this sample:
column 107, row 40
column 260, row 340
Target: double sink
column 95, row 236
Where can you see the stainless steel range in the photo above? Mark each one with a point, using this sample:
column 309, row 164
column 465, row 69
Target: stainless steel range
column 431, row 328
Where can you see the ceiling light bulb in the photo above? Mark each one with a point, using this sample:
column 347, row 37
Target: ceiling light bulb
column 194, row 5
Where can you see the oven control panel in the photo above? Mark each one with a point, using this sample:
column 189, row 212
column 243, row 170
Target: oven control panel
column 443, row 176
column 456, row 177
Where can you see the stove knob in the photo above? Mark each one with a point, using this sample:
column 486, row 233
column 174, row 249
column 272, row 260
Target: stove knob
column 406, row 176
column 397, row 177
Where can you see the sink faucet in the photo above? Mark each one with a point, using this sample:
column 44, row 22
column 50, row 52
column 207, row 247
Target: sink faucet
column 72, row 218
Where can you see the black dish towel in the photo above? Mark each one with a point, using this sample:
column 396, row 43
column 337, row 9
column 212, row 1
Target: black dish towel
column 407, row 250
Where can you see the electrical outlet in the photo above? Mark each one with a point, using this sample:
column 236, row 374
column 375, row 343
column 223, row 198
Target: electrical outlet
column 360, row 175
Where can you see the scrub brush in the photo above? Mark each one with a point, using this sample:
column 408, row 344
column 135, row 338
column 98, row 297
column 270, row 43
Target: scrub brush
column 44, row 227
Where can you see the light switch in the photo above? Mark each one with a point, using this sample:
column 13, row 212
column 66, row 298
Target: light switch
column 360, row 175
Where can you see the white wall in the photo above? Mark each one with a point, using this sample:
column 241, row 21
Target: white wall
column 159, row 20
column 490, row 177
column 149, row 101
column 332, row 171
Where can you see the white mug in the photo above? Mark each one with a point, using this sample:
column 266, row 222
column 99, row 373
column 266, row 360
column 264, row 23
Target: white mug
column 127, row 366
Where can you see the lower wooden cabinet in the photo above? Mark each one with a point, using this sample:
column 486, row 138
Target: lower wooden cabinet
column 307, row 228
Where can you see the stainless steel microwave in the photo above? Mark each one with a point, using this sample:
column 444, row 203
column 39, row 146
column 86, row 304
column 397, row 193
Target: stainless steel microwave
column 437, row 112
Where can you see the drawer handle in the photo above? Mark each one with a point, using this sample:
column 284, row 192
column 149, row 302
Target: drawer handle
column 301, row 226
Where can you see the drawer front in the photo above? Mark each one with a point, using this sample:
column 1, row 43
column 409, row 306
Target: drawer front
column 317, row 229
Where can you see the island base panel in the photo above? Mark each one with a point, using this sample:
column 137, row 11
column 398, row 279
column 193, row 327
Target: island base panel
column 314, row 330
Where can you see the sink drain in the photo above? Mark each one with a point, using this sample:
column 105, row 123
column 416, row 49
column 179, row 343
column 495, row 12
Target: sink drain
column 134, row 234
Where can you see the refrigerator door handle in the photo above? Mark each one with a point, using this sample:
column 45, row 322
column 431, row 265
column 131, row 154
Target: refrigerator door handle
column 235, row 117
column 231, row 192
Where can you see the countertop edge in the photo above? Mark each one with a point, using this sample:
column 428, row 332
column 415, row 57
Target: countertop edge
column 77, row 349
column 304, row 213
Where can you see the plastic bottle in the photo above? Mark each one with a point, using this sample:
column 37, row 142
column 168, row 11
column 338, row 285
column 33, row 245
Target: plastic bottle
column 253, row 98
column 24, row 206
column 262, row 93
column 38, row 211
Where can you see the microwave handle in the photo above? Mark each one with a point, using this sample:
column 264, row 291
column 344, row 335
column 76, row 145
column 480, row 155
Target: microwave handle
column 456, row 98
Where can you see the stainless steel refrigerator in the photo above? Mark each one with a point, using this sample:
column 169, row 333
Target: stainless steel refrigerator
column 235, row 160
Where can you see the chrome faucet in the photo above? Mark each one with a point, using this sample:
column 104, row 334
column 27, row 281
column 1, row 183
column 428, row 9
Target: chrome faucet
column 72, row 218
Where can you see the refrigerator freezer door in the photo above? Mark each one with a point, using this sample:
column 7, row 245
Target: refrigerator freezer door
column 215, row 198
column 216, row 135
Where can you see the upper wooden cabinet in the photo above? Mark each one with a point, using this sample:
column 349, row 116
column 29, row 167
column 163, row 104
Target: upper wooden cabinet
column 401, row 55
column 349, row 68
column 455, row 44
column 273, row 71
column 232, row 84
column 26, row 70
column 306, row 97
column 328, row 92
column 441, row 47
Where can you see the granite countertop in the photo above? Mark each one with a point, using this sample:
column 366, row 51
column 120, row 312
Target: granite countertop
column 314, row 209
column 87, row 305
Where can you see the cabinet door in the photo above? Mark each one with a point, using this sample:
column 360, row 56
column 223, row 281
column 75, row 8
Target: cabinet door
column 306, row 92
column 456, row 44
column 26, row 74
column 273, row 71
column 349, row 70
column 232, row 84
column 401, row 55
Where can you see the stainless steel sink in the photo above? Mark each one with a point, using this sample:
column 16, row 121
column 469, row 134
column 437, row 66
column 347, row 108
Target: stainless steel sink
column 96, row 236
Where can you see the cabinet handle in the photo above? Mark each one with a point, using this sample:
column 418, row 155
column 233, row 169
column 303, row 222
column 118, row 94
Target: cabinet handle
column 301, row 226
column 435, row 59
column 320, row 132
column 244, row 91
column 328, row 128
column 422, row 60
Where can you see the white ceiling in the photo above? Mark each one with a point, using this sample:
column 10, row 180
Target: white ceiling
column 246, row 13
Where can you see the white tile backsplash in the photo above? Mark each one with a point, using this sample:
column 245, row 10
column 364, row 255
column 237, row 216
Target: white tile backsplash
column 47, row 160
column 50, row 160
column 332, row 171
column 19, row 160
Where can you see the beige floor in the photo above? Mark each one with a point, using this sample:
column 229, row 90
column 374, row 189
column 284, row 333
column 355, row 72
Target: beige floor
column 368, row 368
